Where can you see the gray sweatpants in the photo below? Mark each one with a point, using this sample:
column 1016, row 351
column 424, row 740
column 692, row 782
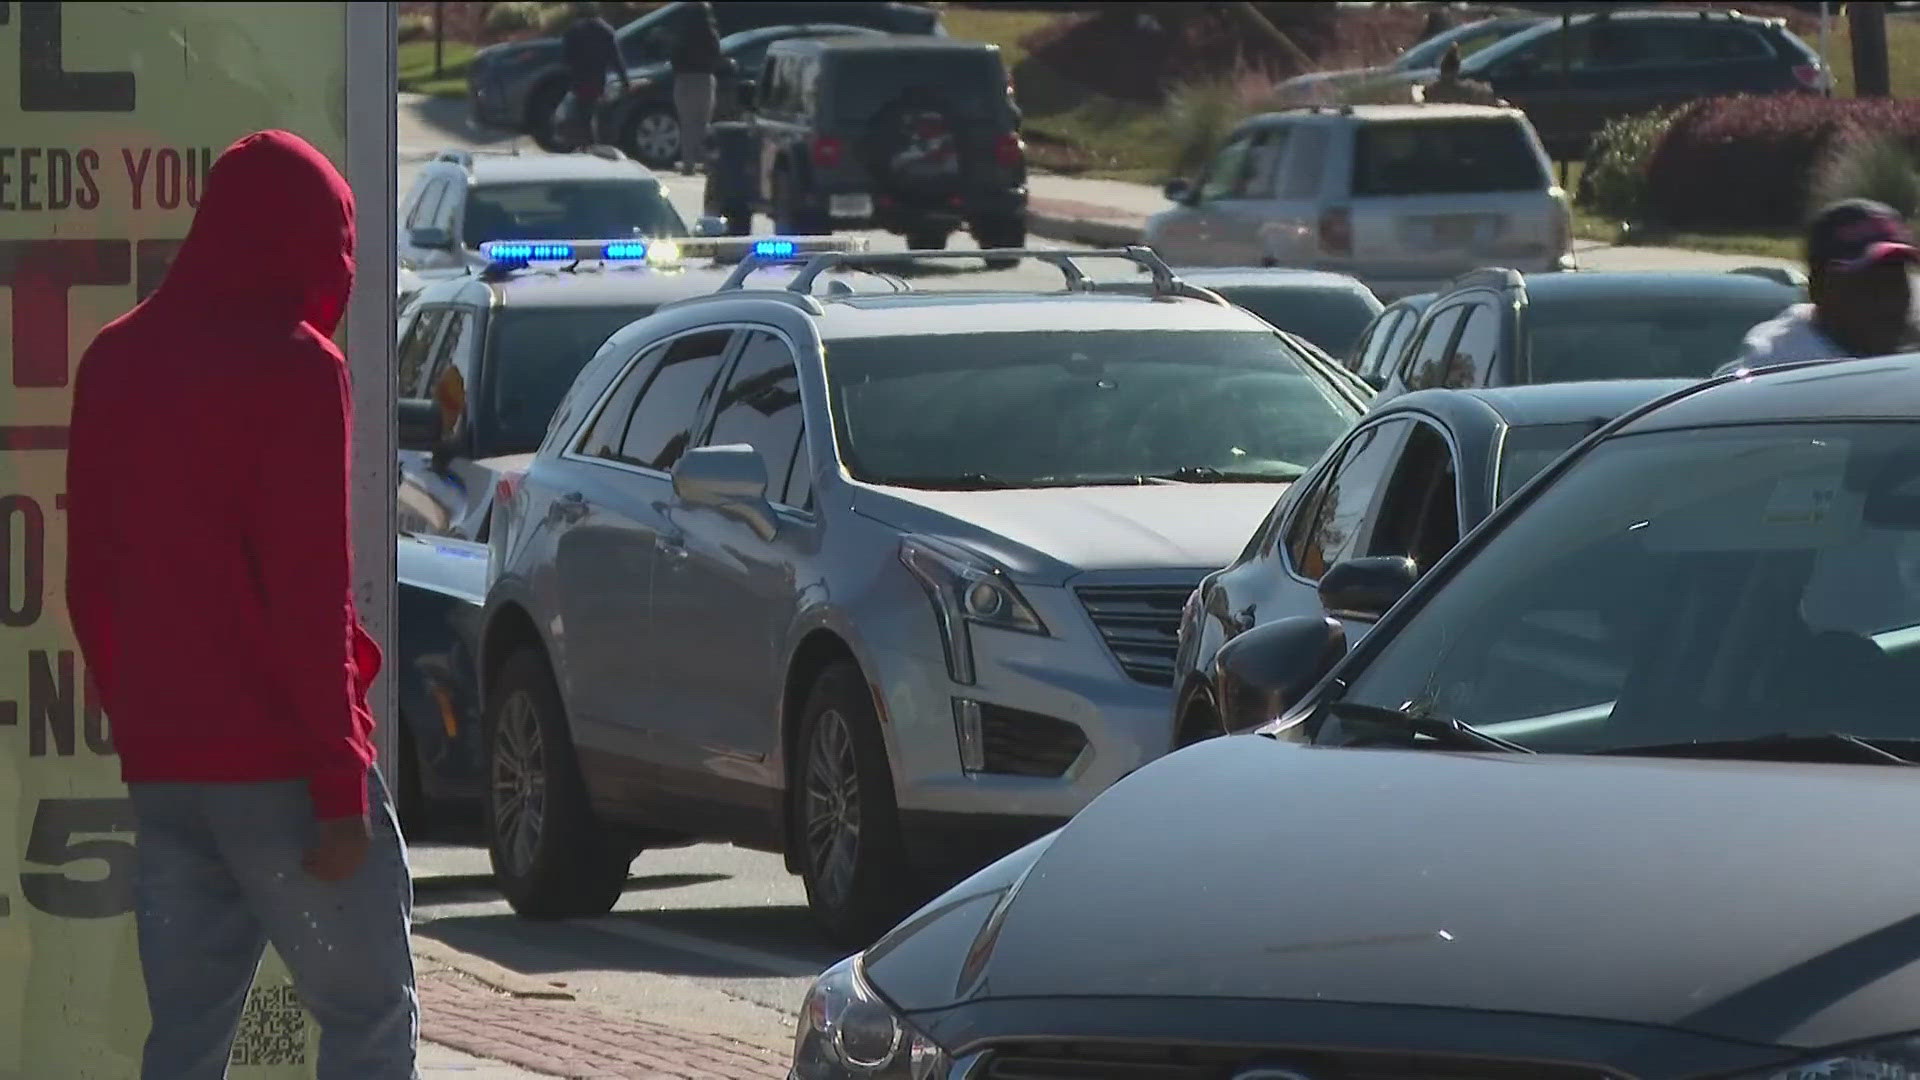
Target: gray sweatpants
column 693, row 100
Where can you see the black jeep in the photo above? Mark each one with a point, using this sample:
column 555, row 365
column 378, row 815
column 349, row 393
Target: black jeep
column 914, row 135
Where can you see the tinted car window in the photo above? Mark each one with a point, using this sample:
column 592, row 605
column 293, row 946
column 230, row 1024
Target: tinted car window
column 1528, row 449
column 1474, row 354
column 1427, row 367
column 534, row 355
column 1040, row 408
column 971, row 83
column 410, row 363
column 1397, row 344
column 570, row 208
column 663, row 418
column 1330, row 318
column 1306, row 163
column 1446, row 157
column 760, row 406
column 1341, row 506
column 1640, row 336
column 800, row 475
column 602, row 439
column 1707, row 584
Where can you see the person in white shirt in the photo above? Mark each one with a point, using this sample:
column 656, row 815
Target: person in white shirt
column 1859, row 259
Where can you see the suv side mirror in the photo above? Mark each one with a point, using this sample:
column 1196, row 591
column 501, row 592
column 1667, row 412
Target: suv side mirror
column 430, row 237
column 418, row 424
column 1179, row 190
column 729, row 479
column 1262, row 673
column 1366, row 588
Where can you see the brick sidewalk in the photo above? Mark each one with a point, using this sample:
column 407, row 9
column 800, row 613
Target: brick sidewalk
column 569, row 1039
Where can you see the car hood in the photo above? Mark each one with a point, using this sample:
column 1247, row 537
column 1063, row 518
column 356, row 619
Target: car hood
column 1764, row 903
column 1052, row 533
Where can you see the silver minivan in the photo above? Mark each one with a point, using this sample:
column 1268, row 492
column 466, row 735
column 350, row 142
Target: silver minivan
column 1403, row 197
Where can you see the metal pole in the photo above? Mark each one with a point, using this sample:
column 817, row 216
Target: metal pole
column 440, row 38
column 1566, row 78
column 1826, row 66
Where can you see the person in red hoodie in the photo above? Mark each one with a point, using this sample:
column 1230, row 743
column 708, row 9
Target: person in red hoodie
column 209, row 581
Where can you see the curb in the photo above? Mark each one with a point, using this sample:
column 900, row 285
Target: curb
column 482, row 970
column 1072, row 230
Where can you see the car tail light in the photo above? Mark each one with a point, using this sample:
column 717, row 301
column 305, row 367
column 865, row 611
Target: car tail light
column 1810, row 76
column 828, row 152
column 508, row 486
column 1010, row 150
column 1336, row 231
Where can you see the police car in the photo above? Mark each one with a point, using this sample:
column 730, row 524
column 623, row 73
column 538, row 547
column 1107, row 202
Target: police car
column 483, row 360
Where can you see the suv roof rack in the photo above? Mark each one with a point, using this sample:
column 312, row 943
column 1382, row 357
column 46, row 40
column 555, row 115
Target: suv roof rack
column 1499, row 277
column 1165, row 282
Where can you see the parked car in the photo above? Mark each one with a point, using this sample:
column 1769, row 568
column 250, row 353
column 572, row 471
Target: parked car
column 462, row 199
column 482, row 361
column 1328, row 87
column 1697, row 631
column 516, row 85
column 912, row 135
column 1382, row 342
column 644, row 120
column 1570, row 81
column 1413, row 479
column 1499, row 327
column 1330, row 310
column 1403, row 197
column 891, row 616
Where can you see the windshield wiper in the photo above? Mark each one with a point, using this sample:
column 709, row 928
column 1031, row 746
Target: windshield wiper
column 1829, row 747
column 1190, row 474
column 1438, row 728
column 966, row 481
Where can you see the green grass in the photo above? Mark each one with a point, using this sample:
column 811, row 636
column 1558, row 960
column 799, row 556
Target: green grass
column 416, row 68
column 1903, row 53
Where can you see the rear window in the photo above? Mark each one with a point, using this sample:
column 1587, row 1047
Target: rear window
column 1641, row 336
column 534, row 356
column 1446, row 157
column 1527, row 450
column 569, row 209
column 970, row 82
column 1330, row 318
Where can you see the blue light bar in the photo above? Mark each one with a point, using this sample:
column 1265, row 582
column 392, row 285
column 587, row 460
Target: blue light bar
column 775, row 249
column 511, row 251
column 625, row 249
column 734, row 248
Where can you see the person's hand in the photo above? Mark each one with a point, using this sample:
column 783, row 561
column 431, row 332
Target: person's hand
column 339, row 849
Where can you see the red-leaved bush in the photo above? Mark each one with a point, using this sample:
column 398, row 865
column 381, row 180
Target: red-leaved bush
column 1748, row 162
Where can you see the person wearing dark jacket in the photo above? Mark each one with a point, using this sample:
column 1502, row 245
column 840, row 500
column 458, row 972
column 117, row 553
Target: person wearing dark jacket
column 1453, row 89
column 210, row 585
column 696, row 68
column 591, row 52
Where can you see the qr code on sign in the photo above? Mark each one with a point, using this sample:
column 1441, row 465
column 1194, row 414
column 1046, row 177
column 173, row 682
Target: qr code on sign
column 273, row 1029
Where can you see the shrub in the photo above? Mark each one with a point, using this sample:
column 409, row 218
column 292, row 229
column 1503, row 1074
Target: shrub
column 1871, row 167
column 1199, row 115
column 414, row 25
column 1614, row 181
column 1748, row 162
column 511, row 17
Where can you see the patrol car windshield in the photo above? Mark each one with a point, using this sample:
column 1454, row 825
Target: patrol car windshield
column 1640, row 336
column 1058, row 409
column 536, row 353
column 569, row 208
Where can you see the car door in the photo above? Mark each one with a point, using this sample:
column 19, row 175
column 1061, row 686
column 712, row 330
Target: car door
column 1330, row 524
column 729, row 591
column 429, row 241
column 422, row 509
column 1216, row 225
column 777, row 120
column 443, row 485
column 609, row 565
column 1421, row 509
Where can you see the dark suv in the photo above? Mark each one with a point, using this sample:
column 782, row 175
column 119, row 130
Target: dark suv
column 915, row 135
column 1617, row 63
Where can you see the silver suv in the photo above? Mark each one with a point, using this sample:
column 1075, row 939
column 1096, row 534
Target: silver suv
column 888, row 583
column 1403, row 197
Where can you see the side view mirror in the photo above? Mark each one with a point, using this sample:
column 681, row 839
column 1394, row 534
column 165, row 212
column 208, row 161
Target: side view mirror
column 1179, row 191
column 710, row 226
column 1366, row 588
column 744, row 92
column 418, row 424
column 729, row 479
column 1267, row 670
column 430, row 237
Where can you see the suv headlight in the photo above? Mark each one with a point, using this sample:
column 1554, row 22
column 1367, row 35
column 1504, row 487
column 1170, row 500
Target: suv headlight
column 847, row 1031
column 965, row 588
column 1893, row 1059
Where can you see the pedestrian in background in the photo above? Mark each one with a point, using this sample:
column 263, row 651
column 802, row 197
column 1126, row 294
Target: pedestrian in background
column 696, row 67
column 214, row 608
column 1452, row 89
column 591, row 52
column 1860, row 256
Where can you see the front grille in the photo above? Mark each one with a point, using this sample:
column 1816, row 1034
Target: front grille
column 1122, row 1061
column 1140, row 624
column 1028, row 744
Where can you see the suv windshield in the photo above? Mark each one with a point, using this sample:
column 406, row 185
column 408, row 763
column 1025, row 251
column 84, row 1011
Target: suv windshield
column 862, row 82
column 534, row 354
column 1048, row 408
column 1641, row 336
column 1706, row 585
column 1446, row 157
column 569, row 209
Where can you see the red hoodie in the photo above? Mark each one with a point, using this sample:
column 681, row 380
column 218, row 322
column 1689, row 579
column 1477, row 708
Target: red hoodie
column 209, row 572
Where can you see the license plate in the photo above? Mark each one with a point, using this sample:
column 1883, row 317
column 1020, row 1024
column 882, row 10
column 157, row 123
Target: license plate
column 1457, row 230
column 850, row 206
